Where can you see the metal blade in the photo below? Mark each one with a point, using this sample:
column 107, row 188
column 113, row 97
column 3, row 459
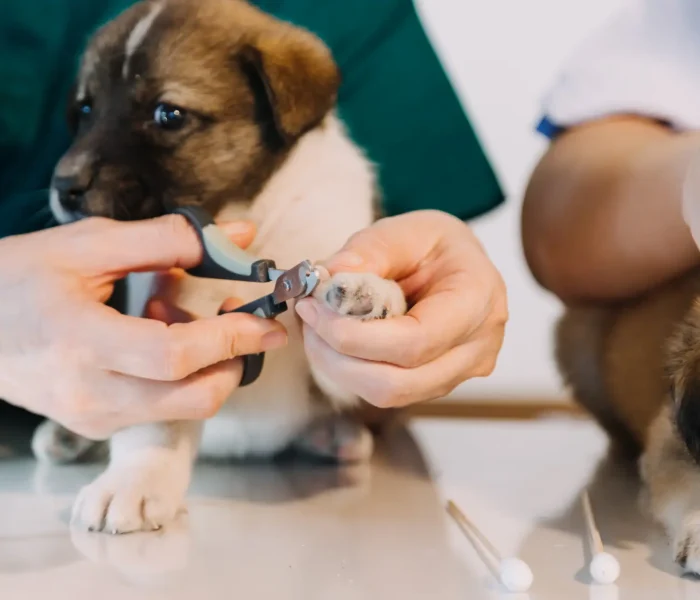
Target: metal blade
column 297, row 282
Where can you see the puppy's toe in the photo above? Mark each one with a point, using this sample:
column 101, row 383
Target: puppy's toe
column 687, row 549
column 362, row 295
column 53, row 443
column 337, row 438
column 124, row 500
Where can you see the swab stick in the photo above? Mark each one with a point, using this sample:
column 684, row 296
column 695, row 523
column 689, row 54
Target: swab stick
column 513, row 573
column 604, row 568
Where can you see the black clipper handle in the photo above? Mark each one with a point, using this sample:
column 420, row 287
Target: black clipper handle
column 221, row 259
column 262, row 307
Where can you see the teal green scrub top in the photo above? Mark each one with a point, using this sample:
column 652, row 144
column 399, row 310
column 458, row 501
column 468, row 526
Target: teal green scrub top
column 395, row 98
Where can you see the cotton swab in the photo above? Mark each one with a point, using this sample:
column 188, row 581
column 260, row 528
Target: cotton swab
column 604, row 568
column 513, row 573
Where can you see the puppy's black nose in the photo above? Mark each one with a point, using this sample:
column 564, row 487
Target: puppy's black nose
column 71, row 190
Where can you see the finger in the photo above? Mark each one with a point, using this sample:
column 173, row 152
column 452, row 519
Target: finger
column 240, row 233
column 433, row 326
column 152, row 350
column 394, row 247
column 198, row 396
column 166, row 312
column 231, row 304
column 167, row 285
column 147, row 245
column 386, row 386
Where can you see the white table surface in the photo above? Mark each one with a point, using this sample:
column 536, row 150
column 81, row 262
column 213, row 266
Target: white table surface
column 305, row 533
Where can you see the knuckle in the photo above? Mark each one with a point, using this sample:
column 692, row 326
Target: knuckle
column 390, row 392
column 207, row 405
column 485, row 367
column 230, row 343
column 413, row 355
column 173, row 365
column 501, row 312
column 175, row 226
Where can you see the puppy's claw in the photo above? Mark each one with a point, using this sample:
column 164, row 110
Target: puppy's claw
column 134, row 498
column 687, row 554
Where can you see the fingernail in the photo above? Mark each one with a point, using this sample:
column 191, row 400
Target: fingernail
column 231, row 304
column 308, row 312
column 347, row 259
column 273, row 340
column 237, row 227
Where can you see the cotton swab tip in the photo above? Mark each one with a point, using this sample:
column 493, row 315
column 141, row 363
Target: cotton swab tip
column 515, row 575
column 604, row 568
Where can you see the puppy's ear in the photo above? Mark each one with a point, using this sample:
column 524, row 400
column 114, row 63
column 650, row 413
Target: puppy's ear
column 297, row 76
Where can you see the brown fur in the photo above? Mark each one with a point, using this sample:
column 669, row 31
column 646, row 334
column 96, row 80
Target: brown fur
column 616, row 358
column 636, row 368
column 241, row 121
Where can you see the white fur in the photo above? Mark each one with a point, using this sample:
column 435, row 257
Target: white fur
column 138, row 35
column 320, row 197
column 60, row 213
column 65, row 168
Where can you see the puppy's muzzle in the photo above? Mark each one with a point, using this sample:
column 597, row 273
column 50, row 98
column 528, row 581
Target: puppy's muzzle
column 70, row 183
column 71, row 191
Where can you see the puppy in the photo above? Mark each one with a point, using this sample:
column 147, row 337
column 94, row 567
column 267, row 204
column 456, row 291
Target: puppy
column 217, row 104
column 636, row 368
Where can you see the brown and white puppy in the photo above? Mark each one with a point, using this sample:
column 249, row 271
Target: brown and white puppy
column 636, row 368
column 218, row 104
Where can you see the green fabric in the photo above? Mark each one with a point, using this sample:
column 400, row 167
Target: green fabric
column 395, row 98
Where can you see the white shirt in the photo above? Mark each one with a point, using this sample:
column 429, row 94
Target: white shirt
column 645, row 61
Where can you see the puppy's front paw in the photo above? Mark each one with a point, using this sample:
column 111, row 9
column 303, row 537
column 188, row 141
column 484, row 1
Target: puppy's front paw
column 687, row 547
column 139, row 496
column 362, row 295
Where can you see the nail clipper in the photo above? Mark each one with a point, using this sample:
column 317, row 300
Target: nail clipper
column 222, row 259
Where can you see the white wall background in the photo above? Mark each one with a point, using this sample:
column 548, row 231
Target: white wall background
column 502, row 55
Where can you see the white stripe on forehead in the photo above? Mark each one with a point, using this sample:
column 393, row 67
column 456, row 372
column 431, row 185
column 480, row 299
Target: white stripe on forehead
column 87, row 67
column 138, row 35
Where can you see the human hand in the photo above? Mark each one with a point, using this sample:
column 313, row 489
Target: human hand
column 690, row 197
column 66, row 355
column 453, row 331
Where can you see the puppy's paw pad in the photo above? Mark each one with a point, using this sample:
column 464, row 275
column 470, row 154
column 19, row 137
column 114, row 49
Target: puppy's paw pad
column 337, row 438
column 126, row 500
column 687, row 549
column 362, row 295
column 53, row 443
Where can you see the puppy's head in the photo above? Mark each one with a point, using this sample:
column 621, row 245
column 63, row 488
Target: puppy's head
column 187, row 102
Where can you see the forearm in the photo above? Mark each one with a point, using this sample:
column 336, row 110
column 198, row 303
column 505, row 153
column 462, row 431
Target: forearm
column 602, row 217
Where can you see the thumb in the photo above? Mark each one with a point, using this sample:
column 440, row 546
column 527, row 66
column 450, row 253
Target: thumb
column 395, row 247
column 377, row 249
column 363, row 252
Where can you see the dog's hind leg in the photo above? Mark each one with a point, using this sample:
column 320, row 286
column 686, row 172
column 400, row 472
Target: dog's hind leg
column 53, row 443
column 580, row 352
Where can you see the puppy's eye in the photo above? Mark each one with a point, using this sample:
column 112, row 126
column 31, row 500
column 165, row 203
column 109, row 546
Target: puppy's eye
column 84, row 109
column 169, row 117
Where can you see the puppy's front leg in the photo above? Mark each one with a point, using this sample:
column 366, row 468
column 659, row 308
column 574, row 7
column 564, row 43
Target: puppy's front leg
column 145, row 483
column 672, row 478
column 338, row 436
